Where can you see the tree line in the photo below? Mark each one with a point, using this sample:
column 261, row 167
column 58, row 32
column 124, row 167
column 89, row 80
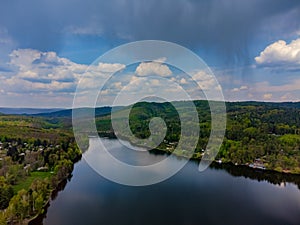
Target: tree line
column 268, row 132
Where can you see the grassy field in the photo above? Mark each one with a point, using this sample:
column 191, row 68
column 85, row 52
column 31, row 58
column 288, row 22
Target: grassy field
column 25, row 184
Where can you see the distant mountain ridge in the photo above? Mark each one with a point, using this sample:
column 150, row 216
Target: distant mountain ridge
column 30, row 111
column 100, row 111
column 61, row 112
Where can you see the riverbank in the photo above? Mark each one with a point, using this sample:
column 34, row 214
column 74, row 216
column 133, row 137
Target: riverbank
column 92, row 199
column 198, row 158
column 52, row 194
column 255, row 165
column 37, row 219
column 34, row 193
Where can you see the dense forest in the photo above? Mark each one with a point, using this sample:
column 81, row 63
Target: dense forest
column 261, row 135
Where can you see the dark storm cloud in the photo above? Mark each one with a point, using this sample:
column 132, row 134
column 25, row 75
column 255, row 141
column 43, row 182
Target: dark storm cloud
column 226, row 26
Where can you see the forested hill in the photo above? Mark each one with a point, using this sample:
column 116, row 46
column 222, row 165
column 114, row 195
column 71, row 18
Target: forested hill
column 266, row 104
column 29, row 111
column 259, row 134
column 100, row 111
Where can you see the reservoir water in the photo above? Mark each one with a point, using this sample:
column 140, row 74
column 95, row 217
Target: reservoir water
column 221, row 195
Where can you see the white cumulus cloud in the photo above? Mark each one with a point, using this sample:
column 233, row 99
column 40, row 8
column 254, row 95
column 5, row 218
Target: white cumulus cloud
column 37, row 74
column 267, row 96
column 241, row 88
column 281, row 55
column 110, row 67
column 205, row 81
column 153, row 68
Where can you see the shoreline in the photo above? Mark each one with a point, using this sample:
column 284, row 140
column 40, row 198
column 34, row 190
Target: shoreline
column 225, row 163
column 255, row 168
column 38, row 218
column 243, row 170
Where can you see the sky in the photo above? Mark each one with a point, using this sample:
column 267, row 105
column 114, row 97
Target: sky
column 252, row 47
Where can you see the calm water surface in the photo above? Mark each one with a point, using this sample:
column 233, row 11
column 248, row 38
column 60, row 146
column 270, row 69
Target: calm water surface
column 190, row 197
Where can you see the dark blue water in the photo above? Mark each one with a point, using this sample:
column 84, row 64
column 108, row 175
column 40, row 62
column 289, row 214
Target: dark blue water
column 190, row 197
